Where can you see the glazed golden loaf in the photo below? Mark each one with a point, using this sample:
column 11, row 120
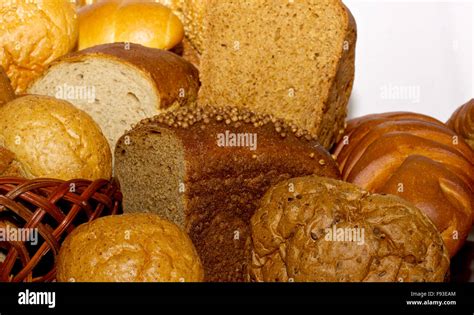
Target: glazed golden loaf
column 51, row 138
column 313, row 229
column 462, row 122
column 128, row 248
column 122, row 84
column 417, row 158
column 206, row 168
column 142, row 22
column 32, row 35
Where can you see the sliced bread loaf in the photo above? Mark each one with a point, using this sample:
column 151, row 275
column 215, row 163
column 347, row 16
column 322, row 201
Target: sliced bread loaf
column 205, row 169
column 293, row 59
column 120, row 84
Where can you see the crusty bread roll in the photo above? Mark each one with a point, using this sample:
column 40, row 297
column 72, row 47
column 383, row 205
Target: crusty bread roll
column 6, row 90
column 128, row 248
column 33, row 34
column 462, row 122
column 122, row 84
column 51, row 138
column 326, row 230
column 417, row 158
column 206, row 169
column 142, row 22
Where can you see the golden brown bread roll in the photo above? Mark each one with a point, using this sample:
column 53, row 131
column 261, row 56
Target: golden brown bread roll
column 319, row 229
column 462, row 122
column 417, row 158
column 52, row 138
column 142, row 22
column 32, row 35
column 128, row 248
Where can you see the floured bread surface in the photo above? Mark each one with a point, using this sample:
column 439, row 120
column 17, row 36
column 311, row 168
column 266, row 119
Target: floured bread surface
column 115, row 94
column 292, row 59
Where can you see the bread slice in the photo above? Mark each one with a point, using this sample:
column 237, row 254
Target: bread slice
column 205, row 169
column 120, row 84
column 292, row 59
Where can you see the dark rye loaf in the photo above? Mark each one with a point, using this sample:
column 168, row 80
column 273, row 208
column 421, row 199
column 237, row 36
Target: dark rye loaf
column 174, row 165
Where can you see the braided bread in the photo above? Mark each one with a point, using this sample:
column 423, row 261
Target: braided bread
column 417, row 158
column 462, row 122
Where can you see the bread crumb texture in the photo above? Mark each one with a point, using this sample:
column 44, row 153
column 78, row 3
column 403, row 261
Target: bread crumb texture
column 129, row 248
column 32, row 35
column 292, row 241
column 52, row 138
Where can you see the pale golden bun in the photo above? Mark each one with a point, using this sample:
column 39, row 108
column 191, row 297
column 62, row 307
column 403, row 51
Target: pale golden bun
column 129, row 248
column 142, row 22
column 32, row 35
column 52, row 138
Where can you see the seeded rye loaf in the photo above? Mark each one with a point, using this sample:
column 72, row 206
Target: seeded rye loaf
column 291, row 59
column 127, row 83
column 188, row 167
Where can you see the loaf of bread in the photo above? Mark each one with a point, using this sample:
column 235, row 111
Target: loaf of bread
column 462, row 122
column 206, row 168
column 120, row 84
column 291, row 59
column 33, row 34
column 417, row 158
column 128, row 248
column 325, row 230
column 146, row 23
column 52, row 138
column 6, row 90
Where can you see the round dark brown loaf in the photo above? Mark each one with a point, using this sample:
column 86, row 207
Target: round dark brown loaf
column 292, row 236
column 462, row 122
column 417, row 158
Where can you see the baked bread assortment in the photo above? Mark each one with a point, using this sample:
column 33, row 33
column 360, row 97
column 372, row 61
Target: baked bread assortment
column 326, row 230
column 417, row 158
column 32, row 35
column 220, row 131
column 51, row 138
column 146, row 23
column 300, row 68
column 128, row 248
column 462, row 122
column 120, row 84
column 206, row 168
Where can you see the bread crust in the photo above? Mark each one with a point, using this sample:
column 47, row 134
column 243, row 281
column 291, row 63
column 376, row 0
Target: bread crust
column 296, row 236
column 224, row 184
column 417, row 158
column 128, row 248
column 6, row 90
column 34, row 33
column 175, row 81
column 462, row 122
column 127, row 21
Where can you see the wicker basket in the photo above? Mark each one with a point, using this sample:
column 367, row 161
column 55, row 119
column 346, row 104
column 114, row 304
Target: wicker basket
column 36, row 216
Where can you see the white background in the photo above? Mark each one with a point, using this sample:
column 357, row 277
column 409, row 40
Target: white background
column 413, row 56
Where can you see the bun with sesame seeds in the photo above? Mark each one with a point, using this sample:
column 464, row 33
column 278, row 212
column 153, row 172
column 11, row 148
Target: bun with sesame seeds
column 206, row 169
